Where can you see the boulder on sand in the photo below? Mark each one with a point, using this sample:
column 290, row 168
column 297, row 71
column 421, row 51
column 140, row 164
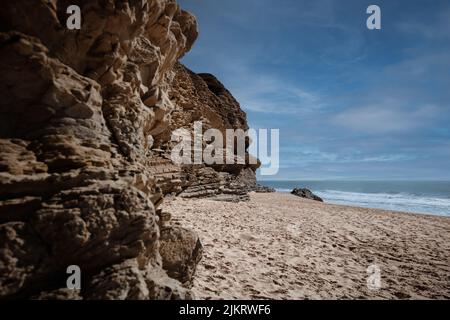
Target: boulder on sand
column 306, row 193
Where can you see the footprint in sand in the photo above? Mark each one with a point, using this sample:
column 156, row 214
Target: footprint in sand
column 248, row 237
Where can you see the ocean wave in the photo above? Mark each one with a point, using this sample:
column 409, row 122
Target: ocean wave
column 399, row 201
column 284, row 190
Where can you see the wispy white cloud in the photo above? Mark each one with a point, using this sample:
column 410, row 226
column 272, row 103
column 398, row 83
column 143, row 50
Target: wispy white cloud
column 266, row 94
column 384, row 119
column 301, row 156
column 438, row 29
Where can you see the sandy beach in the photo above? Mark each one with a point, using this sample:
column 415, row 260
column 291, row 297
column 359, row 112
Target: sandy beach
column 278, row 246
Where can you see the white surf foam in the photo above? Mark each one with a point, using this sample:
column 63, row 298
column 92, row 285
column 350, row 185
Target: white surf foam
column 399, row 202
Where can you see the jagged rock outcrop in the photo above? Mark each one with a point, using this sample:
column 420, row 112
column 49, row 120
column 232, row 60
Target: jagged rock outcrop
column 306, row 193
column 264, row 189
column 85, row 122
column 180, row 250
column 203, row 98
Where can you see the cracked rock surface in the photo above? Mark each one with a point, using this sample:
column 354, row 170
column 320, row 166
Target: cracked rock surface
column 85, row 123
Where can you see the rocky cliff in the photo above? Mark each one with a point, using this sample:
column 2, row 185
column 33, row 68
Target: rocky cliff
column 85, row 124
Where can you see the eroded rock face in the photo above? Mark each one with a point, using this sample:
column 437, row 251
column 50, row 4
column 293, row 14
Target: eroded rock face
column 181, row 251
column 203, row 98
column 85, row 123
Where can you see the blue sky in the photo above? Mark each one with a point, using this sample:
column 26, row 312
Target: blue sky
column 350, row 103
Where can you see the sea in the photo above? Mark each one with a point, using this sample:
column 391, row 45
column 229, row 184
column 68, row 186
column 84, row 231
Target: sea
column 429, row 197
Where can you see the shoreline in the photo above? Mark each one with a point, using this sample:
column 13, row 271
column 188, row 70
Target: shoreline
column 379, row 209
column 400, row 201
column 279, row 246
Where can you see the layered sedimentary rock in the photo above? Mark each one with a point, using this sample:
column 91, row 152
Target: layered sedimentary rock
column 85, row 122
column 202, row 98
